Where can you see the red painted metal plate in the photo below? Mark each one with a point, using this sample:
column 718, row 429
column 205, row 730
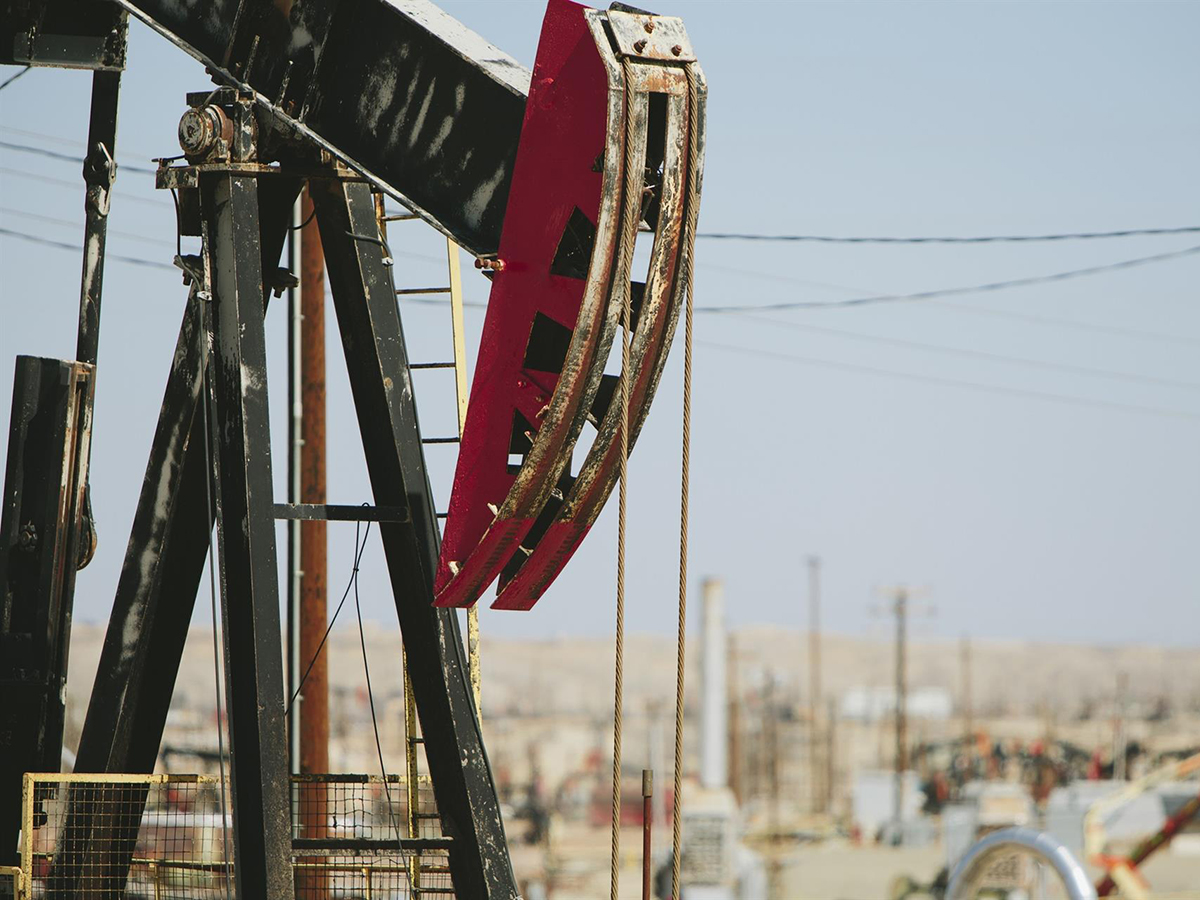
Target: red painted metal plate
column 528, row 576
column 546, row 320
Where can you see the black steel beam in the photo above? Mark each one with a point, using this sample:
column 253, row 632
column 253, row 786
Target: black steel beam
column 164, row 559
column 156, row 593
column 377, row 360
column 329, row 512
column 72, row 34
column 39, row 534
column 405, row 94
column 246, row 534
column 99, row 172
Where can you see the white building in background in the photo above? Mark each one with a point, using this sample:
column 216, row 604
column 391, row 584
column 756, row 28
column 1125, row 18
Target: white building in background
column 875, row 704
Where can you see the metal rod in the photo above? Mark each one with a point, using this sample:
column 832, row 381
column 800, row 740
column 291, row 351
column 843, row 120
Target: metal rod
column 295, row 442
column 314, row 701
column 423, row 290
column 647, row 829
column 901, row 611
column 814, row 681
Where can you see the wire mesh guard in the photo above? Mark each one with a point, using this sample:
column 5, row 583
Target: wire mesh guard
column 162, row 837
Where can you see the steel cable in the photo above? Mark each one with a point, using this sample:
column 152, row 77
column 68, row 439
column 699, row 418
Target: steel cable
column 685, row 464
column 630, row 216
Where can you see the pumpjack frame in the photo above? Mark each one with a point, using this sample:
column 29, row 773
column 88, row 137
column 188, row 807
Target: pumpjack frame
column 289, row 110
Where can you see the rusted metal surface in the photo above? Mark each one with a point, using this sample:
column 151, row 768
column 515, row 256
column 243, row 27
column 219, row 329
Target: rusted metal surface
column 563, row 525
column 46, row 470
column 643, row 36
column 312, row 705
column 550, row 317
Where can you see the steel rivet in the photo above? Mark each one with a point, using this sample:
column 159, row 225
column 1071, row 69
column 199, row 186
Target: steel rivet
column 677, row 49
column 640, row 45
column 649, row 26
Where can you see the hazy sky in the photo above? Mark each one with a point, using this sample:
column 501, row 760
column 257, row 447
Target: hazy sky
column 1029, row 501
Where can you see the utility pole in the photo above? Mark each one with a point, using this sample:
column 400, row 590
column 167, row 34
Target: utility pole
column 312, row 704
column 966, row 700
column 830, row 750
column 735, row 720
column 814, row 682
column 1120, row 743
column 771, row 727
column 900, row 608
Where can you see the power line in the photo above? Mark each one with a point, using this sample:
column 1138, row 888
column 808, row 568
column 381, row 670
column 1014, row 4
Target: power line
column 10, row 79
column 23, row 213
column 1117, row 330
column 66, row 157
column 1068, row 323
column 954, row 292
column 75, row 248
column 950, row 382
column 984, row 239
column 76, row 185
column 980, row 354
column 58, row 139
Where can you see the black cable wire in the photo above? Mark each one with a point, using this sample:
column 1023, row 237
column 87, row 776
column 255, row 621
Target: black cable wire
column 953, row 292
column 66, row 157
column 10, row 79
column 362, row 641
column 75, row 185
column 985, row 239
column 311, row 215
column 760, row 354
column 66, row 223
column 75, row 248
column 346, row 593
column 973, row 353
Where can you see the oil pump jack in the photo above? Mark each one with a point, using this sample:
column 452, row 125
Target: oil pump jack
column 546, row 177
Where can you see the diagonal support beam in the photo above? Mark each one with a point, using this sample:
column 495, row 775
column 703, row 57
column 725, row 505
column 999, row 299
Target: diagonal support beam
column 377, row 361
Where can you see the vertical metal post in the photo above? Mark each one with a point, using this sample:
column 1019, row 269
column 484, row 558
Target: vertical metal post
column 412, row 783
column 968, row 712
column 461, row 394
column 99, row 172
column 647, row 829
column 735, row 719
column 246, row 532
column 830, row 759
column 311, row 711
column 814, row 681
column 1120, row 742
column 314, row 709
column 901, row 611
column 295, row 419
